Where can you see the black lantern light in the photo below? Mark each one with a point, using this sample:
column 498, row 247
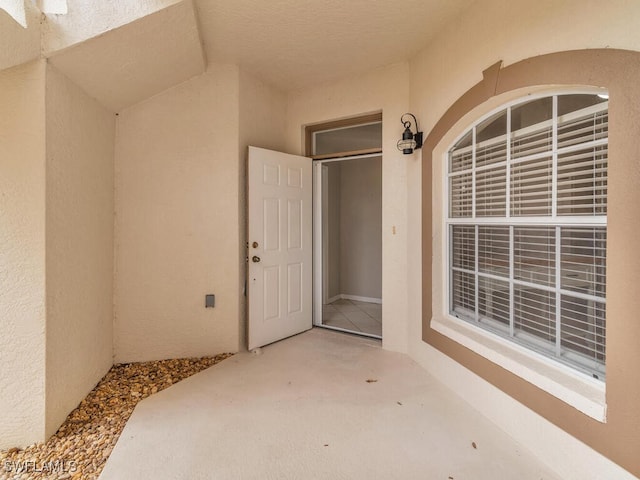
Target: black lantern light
column 410, row 141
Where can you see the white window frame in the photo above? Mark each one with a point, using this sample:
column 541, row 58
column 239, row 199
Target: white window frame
column 579, row 389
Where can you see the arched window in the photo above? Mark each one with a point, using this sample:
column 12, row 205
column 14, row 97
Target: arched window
column 527, row 226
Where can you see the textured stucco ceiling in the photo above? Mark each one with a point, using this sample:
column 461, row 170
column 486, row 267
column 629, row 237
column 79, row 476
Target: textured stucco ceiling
column 290, row 44
column 297, row 43
column 131, row 63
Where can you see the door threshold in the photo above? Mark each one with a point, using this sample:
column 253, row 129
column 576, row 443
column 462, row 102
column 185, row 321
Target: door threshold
column 352, row 332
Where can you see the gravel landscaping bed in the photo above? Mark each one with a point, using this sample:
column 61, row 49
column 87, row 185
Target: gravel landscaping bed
column 82, row 445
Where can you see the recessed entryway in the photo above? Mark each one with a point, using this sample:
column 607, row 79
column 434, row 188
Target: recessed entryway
column 348, row 225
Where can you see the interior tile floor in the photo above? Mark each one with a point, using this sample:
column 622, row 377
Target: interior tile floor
column 354, row 316
column 320, row 405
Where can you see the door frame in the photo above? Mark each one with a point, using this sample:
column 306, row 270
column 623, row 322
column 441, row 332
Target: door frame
column 319, row 191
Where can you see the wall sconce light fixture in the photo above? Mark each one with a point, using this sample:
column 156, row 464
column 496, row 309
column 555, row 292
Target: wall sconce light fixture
column 410, row 141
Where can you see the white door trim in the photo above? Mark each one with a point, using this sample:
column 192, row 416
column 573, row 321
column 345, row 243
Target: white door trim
column 317, row 243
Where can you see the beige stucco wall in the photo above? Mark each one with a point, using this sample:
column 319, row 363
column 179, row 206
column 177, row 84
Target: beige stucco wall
column 440, row 74
column 385, row 90
column 262, row 111
column 19, row 45
column 80, row 137
column 22, row 255
column 511, row 31
column 262, row 114
column 176, row 227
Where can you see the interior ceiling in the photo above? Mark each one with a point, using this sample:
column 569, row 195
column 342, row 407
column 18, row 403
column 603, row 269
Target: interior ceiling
column 293, row 44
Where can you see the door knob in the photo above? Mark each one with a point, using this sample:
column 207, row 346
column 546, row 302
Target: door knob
column 255, row 259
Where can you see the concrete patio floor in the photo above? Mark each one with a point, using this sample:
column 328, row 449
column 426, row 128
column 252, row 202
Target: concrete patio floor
column 321, row 405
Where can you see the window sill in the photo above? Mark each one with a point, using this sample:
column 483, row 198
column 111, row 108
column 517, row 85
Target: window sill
column 580, row 391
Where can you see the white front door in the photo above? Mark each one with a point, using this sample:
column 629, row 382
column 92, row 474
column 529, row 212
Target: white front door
column 279, row 286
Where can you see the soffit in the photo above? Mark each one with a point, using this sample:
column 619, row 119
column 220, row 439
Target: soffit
column 297, row 43
column 131, row 63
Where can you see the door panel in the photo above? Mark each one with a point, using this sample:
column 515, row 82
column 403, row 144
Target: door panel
column 295, row 224
column 294, row 286
column 271, row 224
column 279, row 286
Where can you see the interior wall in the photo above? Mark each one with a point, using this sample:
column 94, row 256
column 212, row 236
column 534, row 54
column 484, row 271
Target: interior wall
column 262, row 112
column 519, row 30
column 22, row 256
column 361, row 228
column 80, row 136
column 19, row 44
column 385, row 89
column 176, row 230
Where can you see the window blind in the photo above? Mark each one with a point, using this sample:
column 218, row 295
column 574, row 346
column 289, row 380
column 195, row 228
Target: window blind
column 527, row 228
